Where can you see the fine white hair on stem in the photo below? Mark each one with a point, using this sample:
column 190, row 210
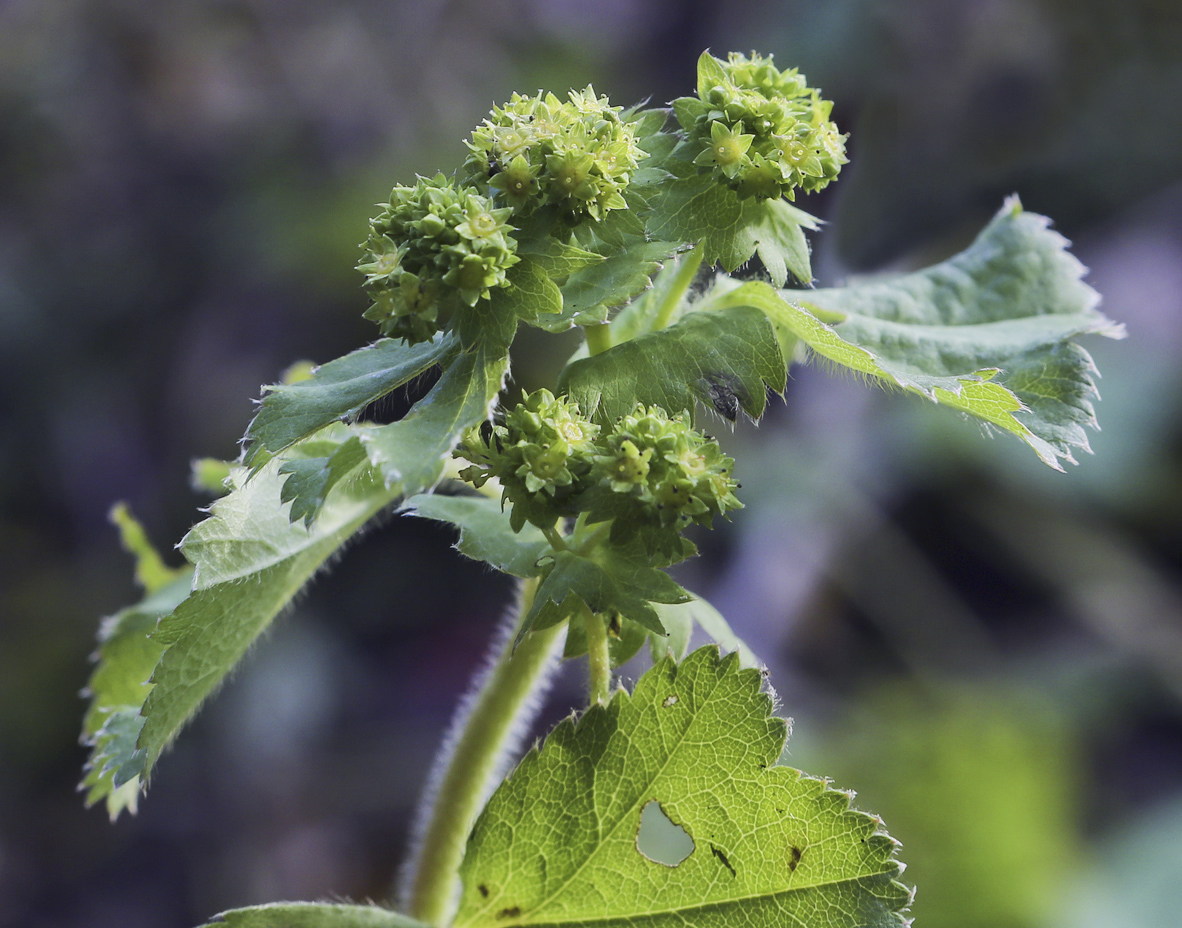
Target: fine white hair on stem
column 507, row 753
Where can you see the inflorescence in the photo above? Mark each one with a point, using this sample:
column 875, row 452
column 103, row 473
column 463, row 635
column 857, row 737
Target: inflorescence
column 648, row 469
column 765, row 132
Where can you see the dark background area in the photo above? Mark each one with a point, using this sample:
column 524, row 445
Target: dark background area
column 989, row 652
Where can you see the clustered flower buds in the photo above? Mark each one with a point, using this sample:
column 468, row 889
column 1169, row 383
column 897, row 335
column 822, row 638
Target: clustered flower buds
column 432, row 245
column 764, row 132
column 647, row 469
column 578, row 155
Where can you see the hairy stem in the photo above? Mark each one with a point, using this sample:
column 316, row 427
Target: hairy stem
column 474, row 763
column 681, row 283
column 598, row 658
column 599, row 337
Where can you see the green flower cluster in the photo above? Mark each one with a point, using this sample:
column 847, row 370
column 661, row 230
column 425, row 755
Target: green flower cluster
column 579, row 155
column 646, row 470
column 433, row 246
column 765, row 132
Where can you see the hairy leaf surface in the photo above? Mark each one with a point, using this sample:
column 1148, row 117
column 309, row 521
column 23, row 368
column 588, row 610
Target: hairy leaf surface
column 249, row 560
column 485, row 532
column 557, row 843
column 721, row 359
column 126, row 656
column 987, row 332
column 313, row 915
column 698, row 208
column 340, row 389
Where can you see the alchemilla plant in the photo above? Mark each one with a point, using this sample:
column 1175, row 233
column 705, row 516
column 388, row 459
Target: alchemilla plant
column 666, row 805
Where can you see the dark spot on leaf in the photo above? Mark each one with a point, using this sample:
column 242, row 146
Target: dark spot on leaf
column 512, row 912
column 722, row 857
column 793, row 858
column 725, row 393
column 483, row 890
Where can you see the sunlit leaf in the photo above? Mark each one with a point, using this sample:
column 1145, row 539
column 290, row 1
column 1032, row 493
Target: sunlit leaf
column 771, row 847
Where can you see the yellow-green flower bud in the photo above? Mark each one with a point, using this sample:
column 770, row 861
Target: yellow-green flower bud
column 765, row 132
column 433, row 247
column 578, row 155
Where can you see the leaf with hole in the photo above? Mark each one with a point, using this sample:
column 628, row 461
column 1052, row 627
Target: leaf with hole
column 772, row 847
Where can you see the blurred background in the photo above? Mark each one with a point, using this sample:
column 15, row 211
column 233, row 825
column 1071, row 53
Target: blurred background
column 990, row 653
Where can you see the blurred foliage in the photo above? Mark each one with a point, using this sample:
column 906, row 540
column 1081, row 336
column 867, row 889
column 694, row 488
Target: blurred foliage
column 979, row 781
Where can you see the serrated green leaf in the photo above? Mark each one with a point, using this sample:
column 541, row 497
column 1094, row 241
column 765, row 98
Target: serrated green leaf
column 987, row 332
column 125, row 657
column 339, row 390
column 485, row 532
column 697, row 208
column 645, row 313
column 721, row 359
column 771, row 846
column 313, row 915
column 615, row 577
column 249, row 561
column 589, row 294
column 410, row 453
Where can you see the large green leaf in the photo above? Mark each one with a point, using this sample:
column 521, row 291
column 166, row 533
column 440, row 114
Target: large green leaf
column 697, row 208
column 987, row 332
column 340, row 389
column 558, row 843
column 313, row 915
column 722, row 359
column 249, row 560
column 485, row 532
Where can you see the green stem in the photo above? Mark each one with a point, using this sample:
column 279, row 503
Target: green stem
column 473, row 763
column 599, row 662
column 681, row 283
column 555, row 538
column 599, row 337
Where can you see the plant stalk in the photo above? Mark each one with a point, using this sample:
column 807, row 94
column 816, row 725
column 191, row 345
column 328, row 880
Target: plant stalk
column 599, row 337
column 473, row 764
column 681, row 283
column 598, row 658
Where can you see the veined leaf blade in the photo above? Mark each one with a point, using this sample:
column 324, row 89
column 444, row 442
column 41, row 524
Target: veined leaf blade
column 771, row 846
column 722, row 359
column 485, row 532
